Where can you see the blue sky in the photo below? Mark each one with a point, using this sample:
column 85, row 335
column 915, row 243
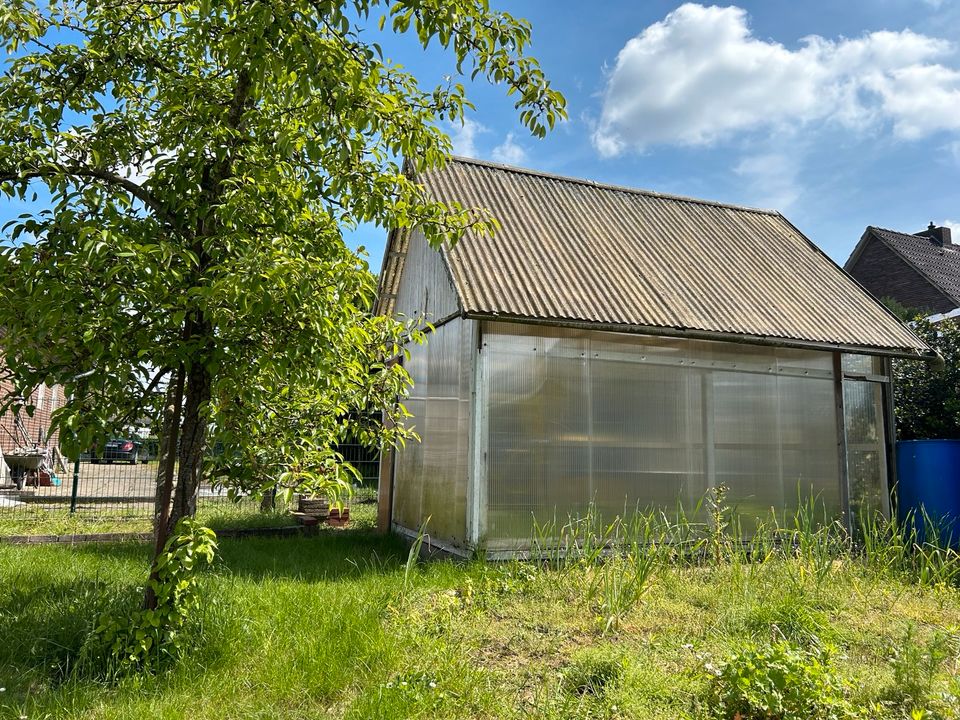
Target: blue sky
column 839, row 114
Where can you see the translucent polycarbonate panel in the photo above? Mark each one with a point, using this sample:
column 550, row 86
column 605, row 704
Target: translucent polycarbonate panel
column 444, row 497
column 809, row 363
column 866, row 447
column 809, row 442
column 861, row 364
column 627, row 421
column 746, row 415
column 711, row 355
column 646, row 436
column 431, row 475
column 425, row 289
column 776, row 444
column 408, row 462
column 538, row 433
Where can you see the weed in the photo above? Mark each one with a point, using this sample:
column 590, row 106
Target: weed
column 122, row 643
column 885, row 545
column 789, row 616
column 718, row 541
column 619, row 584
column 777, row 680
column 413, row 557
column 916, row 664
column 891, row 548
column 593, row 673
column 818, row 542
column 410, row 691
column 497, row 582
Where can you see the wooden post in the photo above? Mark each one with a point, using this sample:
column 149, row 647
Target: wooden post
column 385, row 491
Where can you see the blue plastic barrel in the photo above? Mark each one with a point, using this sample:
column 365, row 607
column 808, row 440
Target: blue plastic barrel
column 928, row 477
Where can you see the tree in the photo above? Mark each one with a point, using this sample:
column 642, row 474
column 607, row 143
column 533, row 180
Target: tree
column 203, row 159
column 927, row 397
column 904, row 313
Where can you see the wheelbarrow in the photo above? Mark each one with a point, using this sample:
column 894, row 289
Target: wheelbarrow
column 24, row 466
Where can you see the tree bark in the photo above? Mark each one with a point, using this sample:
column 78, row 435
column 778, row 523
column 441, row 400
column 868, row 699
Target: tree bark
column 268, row 501
column 192, row 443
column 170, row 425
column 165, row 472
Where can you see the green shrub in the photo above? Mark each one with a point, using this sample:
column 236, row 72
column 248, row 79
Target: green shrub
column 927, row 398
column 777, row 681
column 123, row 642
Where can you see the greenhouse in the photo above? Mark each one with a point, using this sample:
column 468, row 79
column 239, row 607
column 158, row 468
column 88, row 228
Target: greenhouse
column 617, row 349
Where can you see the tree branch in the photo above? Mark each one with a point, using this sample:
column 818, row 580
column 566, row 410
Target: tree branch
column 110, row 178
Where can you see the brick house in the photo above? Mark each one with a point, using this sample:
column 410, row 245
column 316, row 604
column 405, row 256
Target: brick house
column 921, row 271
column 36, row 428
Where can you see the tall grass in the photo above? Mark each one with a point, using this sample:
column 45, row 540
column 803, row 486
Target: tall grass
column 612, row 618
column 889, row 547
column 618, row 558
column 413, row 557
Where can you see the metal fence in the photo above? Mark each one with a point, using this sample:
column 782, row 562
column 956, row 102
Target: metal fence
column 122, row 487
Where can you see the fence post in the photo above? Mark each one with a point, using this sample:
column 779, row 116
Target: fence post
column 76, row 484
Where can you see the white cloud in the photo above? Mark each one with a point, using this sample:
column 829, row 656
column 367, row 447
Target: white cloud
column 954, row 226
column 509, row 151
column 770, row 178
column 954, row 149
column 464, row 137
column 699, row 76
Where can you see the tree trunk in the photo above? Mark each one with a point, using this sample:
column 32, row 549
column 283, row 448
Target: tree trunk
column 170, row 425
column 188, row 457
column 191, row 429
column 192, row 444
column 165, row 472
column 268, row 501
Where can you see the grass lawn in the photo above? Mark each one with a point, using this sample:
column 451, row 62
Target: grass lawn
column 220, row 515
column 326, row 626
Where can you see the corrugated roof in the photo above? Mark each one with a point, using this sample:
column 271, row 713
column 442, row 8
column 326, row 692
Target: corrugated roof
column 939, row 264
column 571, row 251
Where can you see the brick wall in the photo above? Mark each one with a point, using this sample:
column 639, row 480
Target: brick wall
column 37, row 427
column 885, row 274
